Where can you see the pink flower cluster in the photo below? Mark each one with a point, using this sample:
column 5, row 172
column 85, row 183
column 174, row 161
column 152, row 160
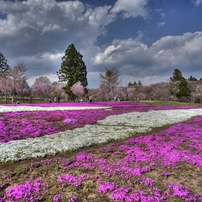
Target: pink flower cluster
column 30, row 191
column 71, row 179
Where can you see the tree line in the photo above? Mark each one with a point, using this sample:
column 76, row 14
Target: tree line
column 177, row 88
column 72, row 84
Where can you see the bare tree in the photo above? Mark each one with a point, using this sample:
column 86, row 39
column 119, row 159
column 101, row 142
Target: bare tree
column 103, row 91
column 16, row 75
column 159, row 91
column 121, row 93
column 42, row 79
column 23, row 89
column 42, row 90
column 5, row 87
column 110, row 78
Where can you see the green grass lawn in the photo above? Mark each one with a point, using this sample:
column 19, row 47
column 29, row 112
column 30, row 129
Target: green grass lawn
column 168, row 103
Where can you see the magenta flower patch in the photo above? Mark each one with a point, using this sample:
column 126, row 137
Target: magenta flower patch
column 23, row 125
column 68, row 120
column 30, row 191
column 141, row 168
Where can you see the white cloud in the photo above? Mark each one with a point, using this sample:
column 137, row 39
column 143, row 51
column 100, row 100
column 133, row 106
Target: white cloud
column 98, row 16
column 39, row 24
column 183, row 50
column 133, row 57
column 161, row 13
column 37, row 32
column 197, row 2
column 100, row 57
column 161, row 24
column 121, row 51
column 132, row 8
column 51, row 27
column 51, row 76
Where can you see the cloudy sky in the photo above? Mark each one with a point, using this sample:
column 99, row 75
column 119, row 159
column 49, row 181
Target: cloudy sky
column 145, row 39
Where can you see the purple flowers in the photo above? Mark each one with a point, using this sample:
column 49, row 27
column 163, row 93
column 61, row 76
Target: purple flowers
column 166, row 173
column 57, row 197
column 145, row 168
column 68, row 120
column 71, row 179
column 120, row 193
column 106, row 186
column 30, row 191
column 23, row 125
column 148, row 182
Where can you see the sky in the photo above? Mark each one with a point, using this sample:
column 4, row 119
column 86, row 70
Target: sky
column 144, row 39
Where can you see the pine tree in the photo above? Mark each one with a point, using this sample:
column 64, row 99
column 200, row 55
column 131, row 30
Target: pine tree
column 192, row 78
column 72, row 70
column 177, row 75
column 179, row 86
column 184, row 91
column 3, row 65
column 130, row 84
column 139, row 83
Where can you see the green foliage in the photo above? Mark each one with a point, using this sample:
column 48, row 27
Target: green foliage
column 133, row 84
column 191, row 78
column 177, row 76
column 179, row 86
column 72, row 70
column 130, row 84
column 139, row 83
column 184, row 90
column 3, row 65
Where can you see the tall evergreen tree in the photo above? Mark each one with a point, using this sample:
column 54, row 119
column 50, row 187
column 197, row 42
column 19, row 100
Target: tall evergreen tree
column 192, row 78
column 72, row 70
column 3, row 65
column 130, row 84
column 139, row 83
column 179, row 86
column 134, row 83
column 177, row 75
column 184, row 90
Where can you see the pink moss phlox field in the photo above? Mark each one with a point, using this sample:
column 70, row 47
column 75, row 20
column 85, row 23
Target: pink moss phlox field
column 136, row 106
column 122, row 167
column 23, row 125
column 144, row 154
column 123, row 170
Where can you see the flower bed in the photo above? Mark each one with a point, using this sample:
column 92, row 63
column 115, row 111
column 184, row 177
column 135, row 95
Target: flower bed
column 36, row 120
column 165, row 166
column 37, row 134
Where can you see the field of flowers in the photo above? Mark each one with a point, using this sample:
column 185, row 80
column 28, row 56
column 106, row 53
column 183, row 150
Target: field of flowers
column 100, row 152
